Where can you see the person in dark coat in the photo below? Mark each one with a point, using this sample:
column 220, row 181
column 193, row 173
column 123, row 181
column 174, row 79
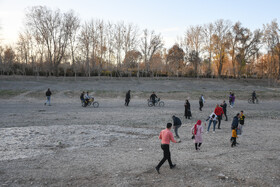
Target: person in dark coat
column 48, row 95
column 153, row 98
column 224, row 106
column 235, row 121
column 127, row 98
column 188, row 113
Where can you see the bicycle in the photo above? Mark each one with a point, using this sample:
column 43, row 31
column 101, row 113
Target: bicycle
column 250, row 100
column 91, row 101
column 158, row 102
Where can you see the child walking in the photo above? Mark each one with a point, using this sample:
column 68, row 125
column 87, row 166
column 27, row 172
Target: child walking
column 233, row 137
column 197, row 132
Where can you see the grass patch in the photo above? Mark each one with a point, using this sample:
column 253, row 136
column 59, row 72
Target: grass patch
column 6, row 94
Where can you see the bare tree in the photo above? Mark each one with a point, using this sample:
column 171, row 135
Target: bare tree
column 221, row 42
column 54, row 29
column 119, row 43
column 150, row 44
column 272, row 41
column 194, row 41
column 85, row 41
column 208, row 31
column 73, row 37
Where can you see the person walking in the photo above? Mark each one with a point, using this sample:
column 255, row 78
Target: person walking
column 127, row 98
column 48, row 95
column 219, row 112
column 176, row 124
column 235, row 121
column 197, row 131
column 166, row 136
column 224, row 106
column 232, row 100
column 201, row 102
column 188, row 113
column 212, row 119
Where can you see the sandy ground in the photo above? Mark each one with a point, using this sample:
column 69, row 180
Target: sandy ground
column 113, row 145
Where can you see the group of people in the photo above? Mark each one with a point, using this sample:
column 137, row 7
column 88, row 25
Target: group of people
column 153, row 98
column 197, row 130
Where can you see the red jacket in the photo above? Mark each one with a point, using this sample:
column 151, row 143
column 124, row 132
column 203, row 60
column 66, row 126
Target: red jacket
column 218, row 111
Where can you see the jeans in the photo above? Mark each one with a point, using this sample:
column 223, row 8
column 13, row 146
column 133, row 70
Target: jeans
column 166, row 155
column 48, row 100
column 214, row 124
column 176, row 130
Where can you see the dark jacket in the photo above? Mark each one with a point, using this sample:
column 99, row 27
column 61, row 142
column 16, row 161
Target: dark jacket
column 48, row 93
column 176, row 121
column 153, row 96
column 234, row 124
column 188, row 109
column 82, row 97
column 127, row 96
column 224, row 106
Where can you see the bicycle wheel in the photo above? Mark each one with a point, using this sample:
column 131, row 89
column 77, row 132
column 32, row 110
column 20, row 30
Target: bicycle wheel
column 250, row 100
column 161, row 104
column 95, row 104
column 150, row 104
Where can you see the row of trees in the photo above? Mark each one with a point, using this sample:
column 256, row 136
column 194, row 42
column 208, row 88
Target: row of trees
column 56, row 43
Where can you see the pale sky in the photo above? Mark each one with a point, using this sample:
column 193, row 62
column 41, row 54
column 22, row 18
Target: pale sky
column 169, row 17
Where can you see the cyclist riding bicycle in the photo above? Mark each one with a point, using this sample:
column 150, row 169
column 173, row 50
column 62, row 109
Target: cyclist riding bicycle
column 153, row 98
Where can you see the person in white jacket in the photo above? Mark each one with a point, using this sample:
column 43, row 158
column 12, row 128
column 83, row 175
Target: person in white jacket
column 212, row 118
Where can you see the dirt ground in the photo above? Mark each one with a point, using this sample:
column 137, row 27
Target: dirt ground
column 68, row 145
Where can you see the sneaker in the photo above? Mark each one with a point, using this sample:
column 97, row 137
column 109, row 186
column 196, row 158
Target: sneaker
column 173, row 166
column 157, row 170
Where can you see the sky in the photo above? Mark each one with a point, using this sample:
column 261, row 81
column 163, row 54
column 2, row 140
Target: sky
column 171, row 18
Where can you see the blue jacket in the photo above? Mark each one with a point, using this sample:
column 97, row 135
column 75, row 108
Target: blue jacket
column 234, row 124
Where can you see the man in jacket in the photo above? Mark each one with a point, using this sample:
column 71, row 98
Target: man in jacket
column 153, row 98
column 127, row 98
column 224, row 106
column 48, row 95
column 166, row 136
column 177, row 124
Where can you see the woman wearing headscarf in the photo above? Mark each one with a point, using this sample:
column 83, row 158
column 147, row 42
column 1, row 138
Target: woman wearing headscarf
column 197, row 132
column 188, row 113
